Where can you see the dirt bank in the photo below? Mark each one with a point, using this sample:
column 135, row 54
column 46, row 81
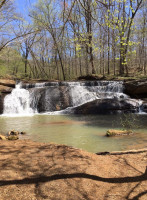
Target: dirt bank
column 36, row 171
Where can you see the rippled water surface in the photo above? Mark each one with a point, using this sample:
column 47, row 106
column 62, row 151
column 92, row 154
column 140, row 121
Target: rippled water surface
column 85, row 132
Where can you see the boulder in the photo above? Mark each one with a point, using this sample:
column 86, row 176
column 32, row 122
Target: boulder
column 136, row 89
column 115, row 132
column 107, row 106
column 51, row 98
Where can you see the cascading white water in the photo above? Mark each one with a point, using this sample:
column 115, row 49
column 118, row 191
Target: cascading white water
column 48, row 95
column 18, row 102
column 97, row 90
column 86, row 91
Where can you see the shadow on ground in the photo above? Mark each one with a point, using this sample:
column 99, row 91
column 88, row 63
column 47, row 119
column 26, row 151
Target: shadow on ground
column 41, row 171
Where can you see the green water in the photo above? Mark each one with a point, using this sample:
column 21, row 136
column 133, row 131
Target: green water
column 85, row 132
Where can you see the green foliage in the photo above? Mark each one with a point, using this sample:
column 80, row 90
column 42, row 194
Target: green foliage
column 121, row 20
column 11, row 63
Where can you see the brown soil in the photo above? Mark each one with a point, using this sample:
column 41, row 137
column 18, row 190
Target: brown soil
column 36, row 171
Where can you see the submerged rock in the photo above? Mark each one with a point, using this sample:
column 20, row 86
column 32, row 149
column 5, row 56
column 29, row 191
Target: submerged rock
column 13, row 137
column 22, row 132
column 115, row 132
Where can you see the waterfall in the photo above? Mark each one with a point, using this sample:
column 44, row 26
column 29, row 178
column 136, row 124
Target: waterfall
column 18, row 102
column 56, row 96
column 82, row 92
column 90, row 91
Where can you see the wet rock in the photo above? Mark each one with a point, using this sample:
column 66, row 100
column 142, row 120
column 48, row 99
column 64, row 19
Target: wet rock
column 13, row 137
column 2, row 96
column 107, row 106
column 1, row 104
column 136, row 89
column 50, row 99
column 22, row 132
column 115, row 132
column 144, row 106
column 13, row 132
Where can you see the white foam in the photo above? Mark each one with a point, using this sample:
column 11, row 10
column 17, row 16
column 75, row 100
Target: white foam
column 18, row 102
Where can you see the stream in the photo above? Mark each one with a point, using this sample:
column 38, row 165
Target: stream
column 85, row 132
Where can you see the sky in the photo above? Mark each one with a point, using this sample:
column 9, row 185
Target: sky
column 22, row 6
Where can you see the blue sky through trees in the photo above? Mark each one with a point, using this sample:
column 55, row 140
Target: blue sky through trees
column 23, row 6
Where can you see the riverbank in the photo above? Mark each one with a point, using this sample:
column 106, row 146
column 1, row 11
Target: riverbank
column 31, row 170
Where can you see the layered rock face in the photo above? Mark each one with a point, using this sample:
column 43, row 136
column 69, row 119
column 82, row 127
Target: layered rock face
column 50, row 99
column 136, row 89
column 1, row 104
column 8, row 83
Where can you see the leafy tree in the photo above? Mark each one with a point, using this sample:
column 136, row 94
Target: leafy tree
column 122, row 20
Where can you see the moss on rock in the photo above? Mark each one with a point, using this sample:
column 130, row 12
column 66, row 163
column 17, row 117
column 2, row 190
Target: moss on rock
column 13, row 137
column 114, row 132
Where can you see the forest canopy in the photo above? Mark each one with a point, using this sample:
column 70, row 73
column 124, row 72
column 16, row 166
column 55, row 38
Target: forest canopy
column 65, row 39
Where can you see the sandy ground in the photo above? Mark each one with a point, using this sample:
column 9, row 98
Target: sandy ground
column 36, row 171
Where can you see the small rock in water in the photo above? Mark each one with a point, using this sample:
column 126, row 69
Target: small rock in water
column 122, row 96
column 13, row 137
column 114, row 132
column 22, row 132
column 13, row 132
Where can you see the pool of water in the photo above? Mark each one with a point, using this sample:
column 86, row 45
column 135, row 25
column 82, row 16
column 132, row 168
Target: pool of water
column 85, row 132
